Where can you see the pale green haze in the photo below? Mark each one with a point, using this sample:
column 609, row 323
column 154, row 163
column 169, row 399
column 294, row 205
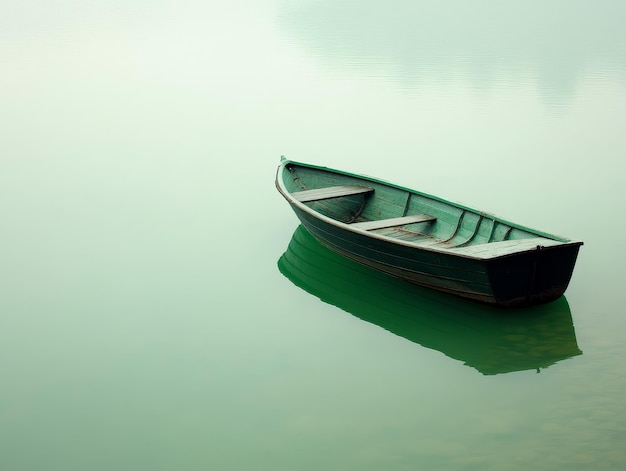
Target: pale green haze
column 161, row 309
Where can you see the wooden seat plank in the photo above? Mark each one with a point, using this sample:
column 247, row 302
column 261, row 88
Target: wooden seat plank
column 505, row 247
column 330, row 192
column 392, row 222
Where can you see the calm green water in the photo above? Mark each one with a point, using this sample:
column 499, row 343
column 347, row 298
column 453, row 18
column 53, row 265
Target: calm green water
column 159, row 307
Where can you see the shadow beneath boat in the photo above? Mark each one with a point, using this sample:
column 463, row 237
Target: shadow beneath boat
column 490, row 339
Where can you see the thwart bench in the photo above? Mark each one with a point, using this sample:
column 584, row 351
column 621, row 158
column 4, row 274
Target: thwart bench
column 392, row 222
column 306, row 196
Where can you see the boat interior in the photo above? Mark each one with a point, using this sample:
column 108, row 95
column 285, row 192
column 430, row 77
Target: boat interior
column 406, row 215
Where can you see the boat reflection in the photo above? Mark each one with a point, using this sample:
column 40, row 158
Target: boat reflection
column 491, row 340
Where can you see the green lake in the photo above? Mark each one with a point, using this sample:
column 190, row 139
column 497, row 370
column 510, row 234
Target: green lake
column 161, row 308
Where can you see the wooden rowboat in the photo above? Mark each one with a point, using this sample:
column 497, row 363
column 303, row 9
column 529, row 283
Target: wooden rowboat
column 427, row 240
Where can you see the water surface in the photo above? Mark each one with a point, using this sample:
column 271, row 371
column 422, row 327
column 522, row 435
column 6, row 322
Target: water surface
column 146, row 317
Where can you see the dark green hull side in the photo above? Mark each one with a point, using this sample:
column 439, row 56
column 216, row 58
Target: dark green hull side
column 522, row 279
column 534, row 277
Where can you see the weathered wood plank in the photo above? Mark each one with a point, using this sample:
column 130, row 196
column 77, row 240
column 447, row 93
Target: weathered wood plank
column 330, row 192
column 506, row 247
column 392, row 222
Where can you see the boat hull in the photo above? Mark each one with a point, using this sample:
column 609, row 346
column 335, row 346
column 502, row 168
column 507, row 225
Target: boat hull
column 520, row 280
column 538, row 274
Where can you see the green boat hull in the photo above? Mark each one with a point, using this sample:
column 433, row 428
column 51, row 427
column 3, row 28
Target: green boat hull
column 453, row 248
